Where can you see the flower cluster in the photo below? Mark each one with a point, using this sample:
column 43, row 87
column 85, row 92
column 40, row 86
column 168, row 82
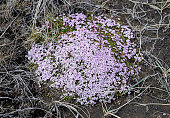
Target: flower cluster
column 90, row 59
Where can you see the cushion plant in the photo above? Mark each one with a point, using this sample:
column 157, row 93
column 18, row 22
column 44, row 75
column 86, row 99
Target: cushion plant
column 89, row 58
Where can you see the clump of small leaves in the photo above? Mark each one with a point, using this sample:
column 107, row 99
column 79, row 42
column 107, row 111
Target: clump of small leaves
column 89, row 58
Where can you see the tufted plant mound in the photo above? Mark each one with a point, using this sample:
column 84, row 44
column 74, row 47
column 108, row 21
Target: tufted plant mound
column 90, row 58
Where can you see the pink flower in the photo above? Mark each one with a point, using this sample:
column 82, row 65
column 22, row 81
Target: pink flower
column 82, row 61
